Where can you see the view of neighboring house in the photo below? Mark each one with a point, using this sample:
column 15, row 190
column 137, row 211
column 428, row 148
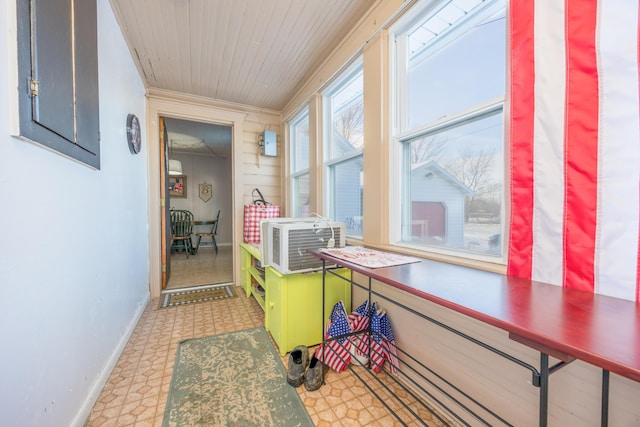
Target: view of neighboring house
column 348, row 198
column 437, row 210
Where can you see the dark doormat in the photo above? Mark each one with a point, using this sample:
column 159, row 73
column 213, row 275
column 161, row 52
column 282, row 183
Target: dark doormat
column 202, row 294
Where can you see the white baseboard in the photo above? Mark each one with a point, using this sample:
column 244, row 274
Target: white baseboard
column 82, row 416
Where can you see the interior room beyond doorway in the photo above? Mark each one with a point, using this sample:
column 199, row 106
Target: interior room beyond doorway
column 201, row 183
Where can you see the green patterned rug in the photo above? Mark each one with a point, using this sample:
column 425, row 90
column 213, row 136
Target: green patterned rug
column 234, row 379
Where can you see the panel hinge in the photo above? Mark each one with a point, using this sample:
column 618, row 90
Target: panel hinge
column 164, row 268
column 33, row 87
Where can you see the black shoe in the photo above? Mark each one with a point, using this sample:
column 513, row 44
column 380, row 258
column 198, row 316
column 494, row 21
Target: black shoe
column 315, row 374
column 298, row 361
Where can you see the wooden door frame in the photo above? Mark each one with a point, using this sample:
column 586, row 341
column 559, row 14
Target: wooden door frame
column 185, row 107
column 164, row 199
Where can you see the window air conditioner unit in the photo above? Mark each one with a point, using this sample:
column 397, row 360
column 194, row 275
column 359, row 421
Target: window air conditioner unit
column 288, row 243
column 264, row 234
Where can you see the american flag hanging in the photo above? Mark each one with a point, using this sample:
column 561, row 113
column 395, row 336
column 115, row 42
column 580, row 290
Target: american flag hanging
column 371, row 344
column 575, row 144
column 359, row 321
column 360, row 317
column 335, row 354
column 389, row 343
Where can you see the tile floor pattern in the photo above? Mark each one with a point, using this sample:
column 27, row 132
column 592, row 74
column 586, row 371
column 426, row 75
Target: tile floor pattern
column 136, row 391
column 205, row 267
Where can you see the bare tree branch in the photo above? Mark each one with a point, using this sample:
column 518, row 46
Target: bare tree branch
column 429, row 148
column 350, row 123
column 473, row 169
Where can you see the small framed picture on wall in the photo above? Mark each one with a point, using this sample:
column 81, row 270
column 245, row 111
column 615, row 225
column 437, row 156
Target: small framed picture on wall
column 177, row 186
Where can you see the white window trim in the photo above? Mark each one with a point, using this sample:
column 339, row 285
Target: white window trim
column 400, row 133
column 294, row 176
column 345, row 78
column 485, row 109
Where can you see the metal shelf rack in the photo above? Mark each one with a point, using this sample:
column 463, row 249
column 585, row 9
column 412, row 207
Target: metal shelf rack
column 453, row 406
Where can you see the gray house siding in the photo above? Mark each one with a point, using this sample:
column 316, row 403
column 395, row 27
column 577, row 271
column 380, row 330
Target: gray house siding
column 431, row 183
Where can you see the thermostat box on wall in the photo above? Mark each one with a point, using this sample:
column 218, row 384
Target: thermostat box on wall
column 270, row 147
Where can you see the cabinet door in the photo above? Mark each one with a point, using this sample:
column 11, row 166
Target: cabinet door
column 304, row 309
column 304, row 317
column 294, row 314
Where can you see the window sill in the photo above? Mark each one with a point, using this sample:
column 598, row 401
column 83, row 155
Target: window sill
column 495, row 266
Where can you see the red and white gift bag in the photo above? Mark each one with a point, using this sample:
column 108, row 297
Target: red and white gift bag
column 252, row 216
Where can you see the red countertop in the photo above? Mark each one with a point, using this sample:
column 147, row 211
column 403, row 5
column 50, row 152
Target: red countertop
column 599, row 330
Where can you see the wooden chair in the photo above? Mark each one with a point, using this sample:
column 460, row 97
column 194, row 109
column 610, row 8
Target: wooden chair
column 181, row 231
column 213, row 233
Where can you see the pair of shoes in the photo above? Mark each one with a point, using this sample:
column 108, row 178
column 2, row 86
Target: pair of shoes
column 298, row 361
column 315, row 374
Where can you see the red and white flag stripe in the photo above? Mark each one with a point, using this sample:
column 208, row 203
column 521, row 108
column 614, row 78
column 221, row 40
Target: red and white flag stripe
column 575, row 144
column 334, row 354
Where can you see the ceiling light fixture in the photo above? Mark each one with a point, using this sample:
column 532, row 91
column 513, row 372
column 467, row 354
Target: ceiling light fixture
column 175, row 166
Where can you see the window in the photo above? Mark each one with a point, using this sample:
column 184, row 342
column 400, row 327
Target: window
column 451, row 62
column 299, row 133
column 58, row 76
column 343, row 117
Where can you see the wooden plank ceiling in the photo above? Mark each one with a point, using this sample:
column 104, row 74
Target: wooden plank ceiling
column 251, row 52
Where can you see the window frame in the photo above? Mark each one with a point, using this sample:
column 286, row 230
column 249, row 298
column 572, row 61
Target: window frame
column 82, row 142
column 297, row 174
column 354, row 71
column 401, row 135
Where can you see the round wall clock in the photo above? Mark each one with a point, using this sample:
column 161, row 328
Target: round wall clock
column 133, row 133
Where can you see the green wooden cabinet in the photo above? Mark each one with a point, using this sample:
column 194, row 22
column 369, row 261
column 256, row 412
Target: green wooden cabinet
column 294, row 305
column 293, row 302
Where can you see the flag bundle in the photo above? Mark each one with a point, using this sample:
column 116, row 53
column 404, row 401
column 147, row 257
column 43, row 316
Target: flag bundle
column 371, row 343
column 389, row 349
column 376, row 342
column 359, row 320
column 335, row 353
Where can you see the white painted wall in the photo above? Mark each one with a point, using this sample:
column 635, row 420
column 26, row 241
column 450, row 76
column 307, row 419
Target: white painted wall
column 74, row 248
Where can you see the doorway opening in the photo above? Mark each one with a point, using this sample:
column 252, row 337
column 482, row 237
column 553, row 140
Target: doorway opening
column 197, row 169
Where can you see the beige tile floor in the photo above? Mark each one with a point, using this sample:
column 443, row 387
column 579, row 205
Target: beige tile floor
column 136, row 391
column 205, row 267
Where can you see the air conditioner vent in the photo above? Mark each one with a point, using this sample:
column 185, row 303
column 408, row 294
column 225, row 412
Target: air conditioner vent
column 275, row 256
column 300, row 241
column 290, row 240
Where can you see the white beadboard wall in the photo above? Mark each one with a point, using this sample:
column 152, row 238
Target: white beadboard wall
column 260, row 171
